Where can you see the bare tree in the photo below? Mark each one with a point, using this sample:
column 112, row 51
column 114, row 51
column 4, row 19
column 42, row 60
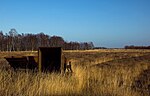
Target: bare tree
column 1, row 40
column 12, row 34
column 43, row 40
column 56, row 41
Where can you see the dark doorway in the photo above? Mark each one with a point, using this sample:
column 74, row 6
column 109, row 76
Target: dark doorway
column 50, row 59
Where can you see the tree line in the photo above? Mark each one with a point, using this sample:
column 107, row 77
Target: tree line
column 137, row 47
column 12, row 41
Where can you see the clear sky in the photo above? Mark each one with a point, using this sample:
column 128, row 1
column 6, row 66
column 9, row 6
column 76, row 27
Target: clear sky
column 107, row 23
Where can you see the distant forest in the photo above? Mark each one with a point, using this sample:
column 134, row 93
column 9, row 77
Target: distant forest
column 12, row 41
column 137, row 47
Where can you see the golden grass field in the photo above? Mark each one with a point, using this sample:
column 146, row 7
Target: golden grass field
column 108, row 72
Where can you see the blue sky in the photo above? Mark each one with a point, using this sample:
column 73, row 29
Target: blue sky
column 107, row 23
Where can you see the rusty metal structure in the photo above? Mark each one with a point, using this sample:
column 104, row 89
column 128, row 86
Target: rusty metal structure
column 49, row 59
column 22, row 62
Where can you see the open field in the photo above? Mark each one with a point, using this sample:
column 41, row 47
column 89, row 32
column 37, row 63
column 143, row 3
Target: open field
column 108, row 72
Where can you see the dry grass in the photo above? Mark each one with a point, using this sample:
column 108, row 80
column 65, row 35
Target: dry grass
column 35, row 84
column 121, row 73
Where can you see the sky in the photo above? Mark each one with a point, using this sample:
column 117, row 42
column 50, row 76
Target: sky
column 107, row 23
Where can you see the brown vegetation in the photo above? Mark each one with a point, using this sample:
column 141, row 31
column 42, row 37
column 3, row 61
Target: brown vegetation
column 96, row 72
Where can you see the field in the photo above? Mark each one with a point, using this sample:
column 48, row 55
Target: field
column 107, row 72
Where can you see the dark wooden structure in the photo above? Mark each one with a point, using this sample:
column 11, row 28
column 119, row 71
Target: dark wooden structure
column 23, row 62
column 49, row 59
